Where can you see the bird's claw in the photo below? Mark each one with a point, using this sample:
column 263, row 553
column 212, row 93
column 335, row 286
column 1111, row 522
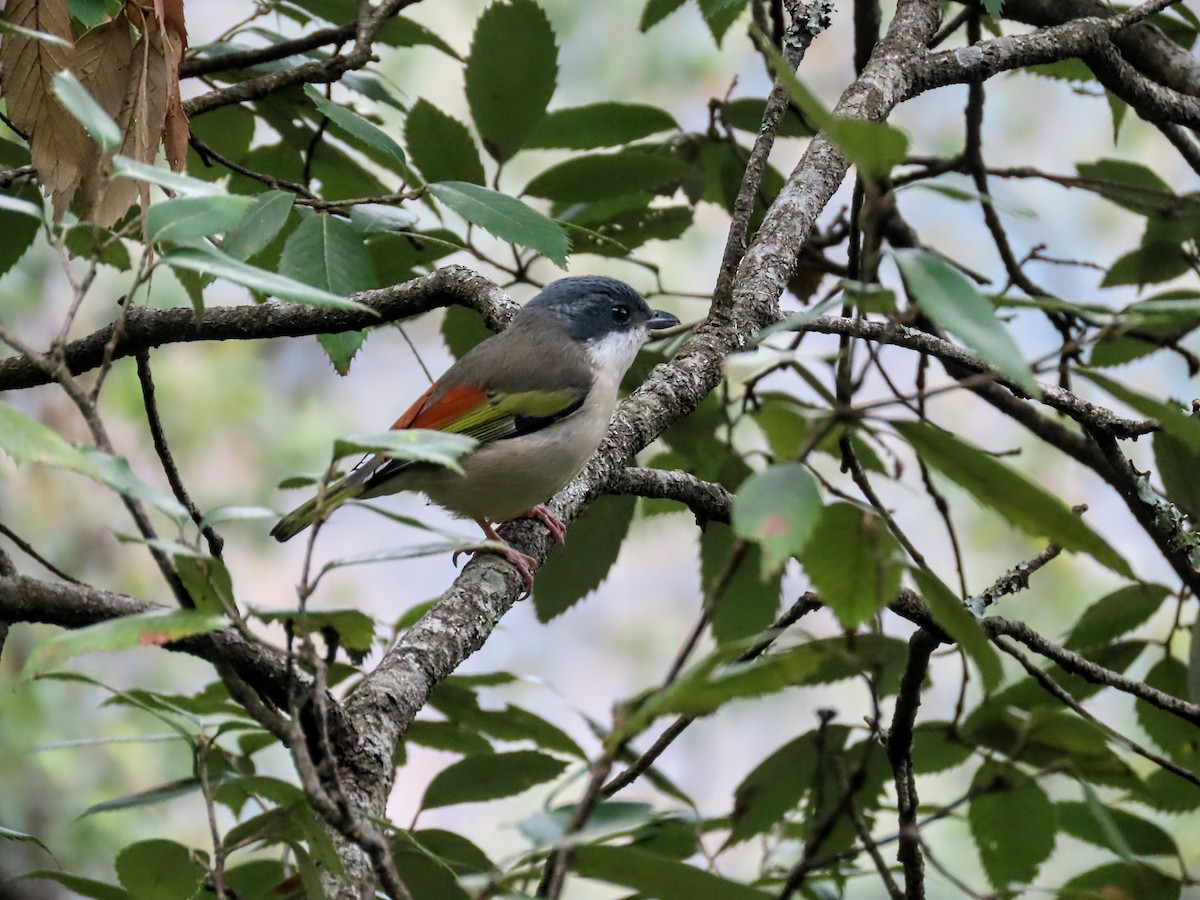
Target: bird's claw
column 525, row 564
column 548, row 517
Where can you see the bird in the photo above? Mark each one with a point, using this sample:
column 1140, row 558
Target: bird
column 538, row 397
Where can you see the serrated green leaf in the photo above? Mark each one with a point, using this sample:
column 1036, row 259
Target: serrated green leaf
column 326, row 252
column 746, row 113
column 1172, row 734
column 185, row 220
column 508, row 90
column 1011, row 855
column 441, row 146
column 1115, row 614
column 490, row 777
column 581, row 566
column 115, row 472
column 210, row 261
column 159, row 868
column 90, row 114
column 453, row 737
column 600, row 125
column 1025, row 504
column 1128, row 184
column 358, row 128
column 259, row 226
column 462, row 329
column 854, row 563
column 955, row 304
column 417, row 444
column 505, row 217
column 777, row 509
column 954, row 618
column 656, row 876
column 152, row 628
column 20, row 224
column 599, row 176
column 655, row 11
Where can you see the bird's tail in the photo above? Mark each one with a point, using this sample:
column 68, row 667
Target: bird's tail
column 318, row 507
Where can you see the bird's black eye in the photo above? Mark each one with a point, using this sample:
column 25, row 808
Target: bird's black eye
column 620, row 314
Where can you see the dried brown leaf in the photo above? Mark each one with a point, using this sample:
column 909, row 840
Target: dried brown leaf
column 60, row 149
column 175, row 129
column 141, row 119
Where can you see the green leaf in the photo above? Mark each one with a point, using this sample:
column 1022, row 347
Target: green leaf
column 210, row 261
column 505, row 217
column 417, row 444
column 26, row 440
column 326, row 252
column 656, row 10
column 777, row 508
column 874, row 148
column 746, row 114
column 1025, row 504
column 150, row 797
column 115, row 472
column 574, row 571
column 329, row 254
column 954, row 618
column 152, row 628
column 90, row 114
column 599, row 176
column 1172, row 734
column 207, row 581
column 184, row 186
column 778, row 783
column 993, row 7
column 743, row 602
column 259, row 225
column 462, row 329
column 600, row 125
column 184, row 220
column 854, row 563
column 1170, row 416
column 355, row 629
column 1011, row 855
column 441, row 146
column 19, row 837
column 936, row 748
column 490, row 777
column 1114, row 614
column 1121, row 880
column 1131, row 185
column 453, row 737
column 956, row 305
column 358, row 128
column 508, row 89
column 83, row 887
column 159, row 868
column 608, row 819
column 1152, row 263
column 20, row 223
column 655, row 876
column 1114, row 829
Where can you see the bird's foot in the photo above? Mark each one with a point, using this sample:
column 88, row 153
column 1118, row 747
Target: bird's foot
column 548, row 517
column 525, row 564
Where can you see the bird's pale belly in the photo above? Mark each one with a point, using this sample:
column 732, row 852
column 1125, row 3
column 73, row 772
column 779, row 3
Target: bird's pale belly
column 505, row 478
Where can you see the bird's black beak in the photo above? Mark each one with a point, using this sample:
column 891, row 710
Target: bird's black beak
column 661, row 320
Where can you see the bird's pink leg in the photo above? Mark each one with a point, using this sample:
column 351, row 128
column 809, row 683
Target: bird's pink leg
column 522, row 562
column 550, row 519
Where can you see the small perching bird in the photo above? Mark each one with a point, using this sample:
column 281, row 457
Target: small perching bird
column 538, row 397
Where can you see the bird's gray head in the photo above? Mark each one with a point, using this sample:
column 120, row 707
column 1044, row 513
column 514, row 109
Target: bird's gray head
column 592, row 308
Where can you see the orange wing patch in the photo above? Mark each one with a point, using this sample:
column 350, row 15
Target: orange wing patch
column 451, row 406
